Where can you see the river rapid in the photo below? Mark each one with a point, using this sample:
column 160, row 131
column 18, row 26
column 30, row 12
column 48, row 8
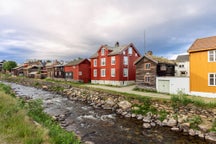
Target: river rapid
column 101, row 126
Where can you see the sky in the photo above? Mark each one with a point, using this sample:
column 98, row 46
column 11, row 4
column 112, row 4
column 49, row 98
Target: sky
column 67, row 29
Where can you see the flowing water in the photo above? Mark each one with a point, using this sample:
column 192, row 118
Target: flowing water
column 101, row 126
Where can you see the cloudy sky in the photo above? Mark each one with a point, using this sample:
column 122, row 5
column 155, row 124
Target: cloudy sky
column 66, row 29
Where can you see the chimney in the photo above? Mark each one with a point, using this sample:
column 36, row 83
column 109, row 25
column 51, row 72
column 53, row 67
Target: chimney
column 149, row 53
column 117, row 44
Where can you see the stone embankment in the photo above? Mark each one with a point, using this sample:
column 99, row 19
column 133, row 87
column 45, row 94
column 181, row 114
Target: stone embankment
column 181, row 120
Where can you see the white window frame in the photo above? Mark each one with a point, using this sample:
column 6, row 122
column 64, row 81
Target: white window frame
column 147, row 78
column 103, row 51
column 103, row 72
column 95, row 62
column 125, row 72
column 125, row 61
column 213, row 55
column 95, row 72
column 124, row 52
column 113, row 72
column 147, row 66
column 103, row 61
column 80, row 73
column 113, row 60
column 130, row 51
column 214, row 79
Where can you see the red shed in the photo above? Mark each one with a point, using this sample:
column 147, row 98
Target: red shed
column 114, row 65
column 78, row 70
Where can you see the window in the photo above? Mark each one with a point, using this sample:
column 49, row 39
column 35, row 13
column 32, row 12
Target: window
column 181, row 66
column 147, row 79
column 163, row 67
column 112, row 72
column 212, row 79
column 123, row 52
column 113, row 60
column 103, row 51
column 103, row 61
column 147, row 66
column 136, row 54
column 125, row 74
column 125, row 60
column 212, row 56
column 95, row 62
column 130, row 51
column 80, row 73
column 95, row 73
column 103, row 72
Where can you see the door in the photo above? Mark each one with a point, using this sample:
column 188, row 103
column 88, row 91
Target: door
column 164, row 86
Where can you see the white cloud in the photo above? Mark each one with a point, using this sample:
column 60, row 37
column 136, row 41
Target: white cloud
column 70, row 28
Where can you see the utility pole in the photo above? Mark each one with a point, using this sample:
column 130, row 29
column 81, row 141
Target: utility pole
column 144, row 42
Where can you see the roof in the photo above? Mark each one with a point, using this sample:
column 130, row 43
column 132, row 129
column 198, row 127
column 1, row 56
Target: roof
column 75, row 62
column 202, row 44
column 115, row 50
column 155, row 59
column 182, row 58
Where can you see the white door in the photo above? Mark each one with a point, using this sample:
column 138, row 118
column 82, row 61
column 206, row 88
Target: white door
column 164, row 86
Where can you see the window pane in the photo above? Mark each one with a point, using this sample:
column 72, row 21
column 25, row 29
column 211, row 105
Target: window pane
column 211, row 79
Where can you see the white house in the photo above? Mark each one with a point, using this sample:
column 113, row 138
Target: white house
column 182, row 66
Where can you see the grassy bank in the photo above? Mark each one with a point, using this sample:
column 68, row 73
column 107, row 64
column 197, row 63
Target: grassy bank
column 17, row 122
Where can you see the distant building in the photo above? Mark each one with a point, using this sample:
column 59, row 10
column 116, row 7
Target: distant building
column 182, row 67
column 149, row 67
column 114, row 65
column 1, row 65
column 78, row 70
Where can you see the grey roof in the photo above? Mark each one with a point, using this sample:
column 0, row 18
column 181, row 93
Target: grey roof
column 156, row 59
column 75, row 62
column 182, row 58
column 115, row 50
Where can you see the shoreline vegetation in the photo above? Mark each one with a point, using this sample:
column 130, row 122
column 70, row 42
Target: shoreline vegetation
column 182, row 113
column 24, row 122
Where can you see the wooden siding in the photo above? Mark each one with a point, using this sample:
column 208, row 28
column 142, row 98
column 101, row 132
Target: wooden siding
column 141, row 72
column 199, row 69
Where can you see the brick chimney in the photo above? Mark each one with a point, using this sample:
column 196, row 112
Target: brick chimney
column 149, row 53
column 117, row 44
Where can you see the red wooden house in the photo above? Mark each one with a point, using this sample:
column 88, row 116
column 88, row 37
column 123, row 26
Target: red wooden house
column 114, row 65
column 78, row 70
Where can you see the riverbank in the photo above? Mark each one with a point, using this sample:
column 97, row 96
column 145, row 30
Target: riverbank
column 179, row 113
column 25, row 122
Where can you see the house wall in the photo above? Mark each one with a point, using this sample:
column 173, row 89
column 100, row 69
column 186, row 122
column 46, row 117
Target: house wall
column 141, row 72
column 119, row 66
column 85, row 69
column 185, row 68
column 176, row 84
column 199, row 69
column 74, row 70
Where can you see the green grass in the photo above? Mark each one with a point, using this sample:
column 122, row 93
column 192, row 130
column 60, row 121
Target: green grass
column 144, row 90
column 183, row 100
column 16, row 124
column 195, row 121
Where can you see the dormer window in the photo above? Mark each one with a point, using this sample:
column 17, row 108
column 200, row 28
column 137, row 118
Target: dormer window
column 130, row 51
column 103, row 51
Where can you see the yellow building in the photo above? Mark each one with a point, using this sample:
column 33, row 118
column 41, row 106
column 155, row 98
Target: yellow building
column 202, row 55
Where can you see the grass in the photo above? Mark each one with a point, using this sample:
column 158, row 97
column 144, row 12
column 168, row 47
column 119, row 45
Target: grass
column 183, row 100
column 144, row 90
column 17, row 126
column 195, row 121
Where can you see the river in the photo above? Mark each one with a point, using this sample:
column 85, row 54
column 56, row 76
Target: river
column 101, row 126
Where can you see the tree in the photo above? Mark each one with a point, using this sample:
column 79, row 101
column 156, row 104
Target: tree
column 9, row 65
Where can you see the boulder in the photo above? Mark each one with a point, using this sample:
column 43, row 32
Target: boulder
column 175, row 129
column 147, row 119
column 125, row 105
column 185, row 127
column 192, row 132
column 211, row 136
column 146, row 125
column 171, row 122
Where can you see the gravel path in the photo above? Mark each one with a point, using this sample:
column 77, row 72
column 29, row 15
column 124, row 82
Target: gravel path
column 129, row 89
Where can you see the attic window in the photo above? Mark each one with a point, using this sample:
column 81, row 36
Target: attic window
column 147, row 66
column 103, row 51
column 163, row 68
column 130, row 51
